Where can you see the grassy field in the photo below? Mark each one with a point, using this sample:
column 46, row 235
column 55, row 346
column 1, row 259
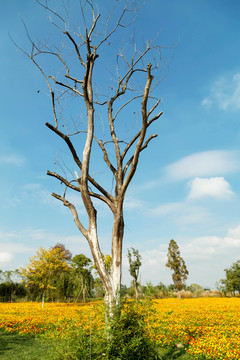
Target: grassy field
column 23, row 347
column 204, row 328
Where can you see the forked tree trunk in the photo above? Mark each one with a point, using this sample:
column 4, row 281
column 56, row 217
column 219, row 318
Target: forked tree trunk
column 126, row 154
column 112, row 281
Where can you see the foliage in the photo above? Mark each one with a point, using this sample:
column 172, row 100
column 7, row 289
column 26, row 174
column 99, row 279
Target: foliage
column 134, row 259
column 10, row 286
column 196, row 289
column 232, row 281
column 128, row 339
column 129, row 335
column 149, row 290
column 82, row 278
column 11, row 291
column 107, row 260
column 67, row 255
column 177, row 265
column 43, row 267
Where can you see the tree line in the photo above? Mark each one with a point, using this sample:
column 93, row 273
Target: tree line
column 55, row 275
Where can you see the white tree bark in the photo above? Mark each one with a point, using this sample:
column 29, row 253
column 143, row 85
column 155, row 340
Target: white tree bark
column 127, row 154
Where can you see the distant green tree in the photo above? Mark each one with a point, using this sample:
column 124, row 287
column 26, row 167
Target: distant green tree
column 150, row 290
column 177, row 265
column 232, row 281
column 62, row 287
column 11, row 287
column 196, row 289
column 81, row 273
column 134, row 259
column 162, row 288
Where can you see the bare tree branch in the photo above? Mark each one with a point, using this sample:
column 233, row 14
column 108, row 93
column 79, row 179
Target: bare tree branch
column 75, row 77
column 66, row 86
column 143, row 131
column 74, row 213
column 132, row 157
column 105, row 156
column 78, row 162
column 118, row 24
column 76, row 48
column 64, row 181
column 76, row 188
column 129, row 145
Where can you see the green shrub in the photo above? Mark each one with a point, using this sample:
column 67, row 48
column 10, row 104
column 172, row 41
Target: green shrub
column 127, row 339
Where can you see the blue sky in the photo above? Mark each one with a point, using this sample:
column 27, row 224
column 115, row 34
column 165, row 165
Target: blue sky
column 187, row 186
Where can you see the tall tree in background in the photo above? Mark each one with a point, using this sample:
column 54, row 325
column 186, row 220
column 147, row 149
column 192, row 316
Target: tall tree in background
column 134, row 259
column 177, row 265
column 43, row 267
column 122, row 104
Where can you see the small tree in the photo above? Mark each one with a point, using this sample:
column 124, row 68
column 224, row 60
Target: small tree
column 81, row 271
column 232, row 281
column 177, row 265
column 43, row 267
column 196, row 289
column 134, row 259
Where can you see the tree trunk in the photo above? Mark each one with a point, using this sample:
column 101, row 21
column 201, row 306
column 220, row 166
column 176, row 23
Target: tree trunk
column 136, row 289
column 116, row 265
column 43, row 299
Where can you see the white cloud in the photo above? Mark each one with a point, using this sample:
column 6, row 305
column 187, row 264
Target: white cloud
column 224, row 93
column 23, row 244
column 216, row 187
column 234, row 233
column 207, row 163
column 13, row 159
column 5, row 257
column 213, row 247
column 206, row 258
column 182, row 213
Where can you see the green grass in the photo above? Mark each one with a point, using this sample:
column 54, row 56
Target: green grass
column 173, row 354
column 19, row 347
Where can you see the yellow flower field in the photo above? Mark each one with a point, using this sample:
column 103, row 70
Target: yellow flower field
column 207, row 327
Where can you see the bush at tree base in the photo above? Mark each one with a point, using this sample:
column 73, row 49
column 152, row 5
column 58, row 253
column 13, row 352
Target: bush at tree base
column 127, row 340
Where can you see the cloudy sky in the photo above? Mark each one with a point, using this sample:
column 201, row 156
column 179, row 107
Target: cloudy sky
column 188, row 183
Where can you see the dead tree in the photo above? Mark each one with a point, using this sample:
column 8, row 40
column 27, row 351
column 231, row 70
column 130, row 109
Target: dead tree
column 78, row 57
